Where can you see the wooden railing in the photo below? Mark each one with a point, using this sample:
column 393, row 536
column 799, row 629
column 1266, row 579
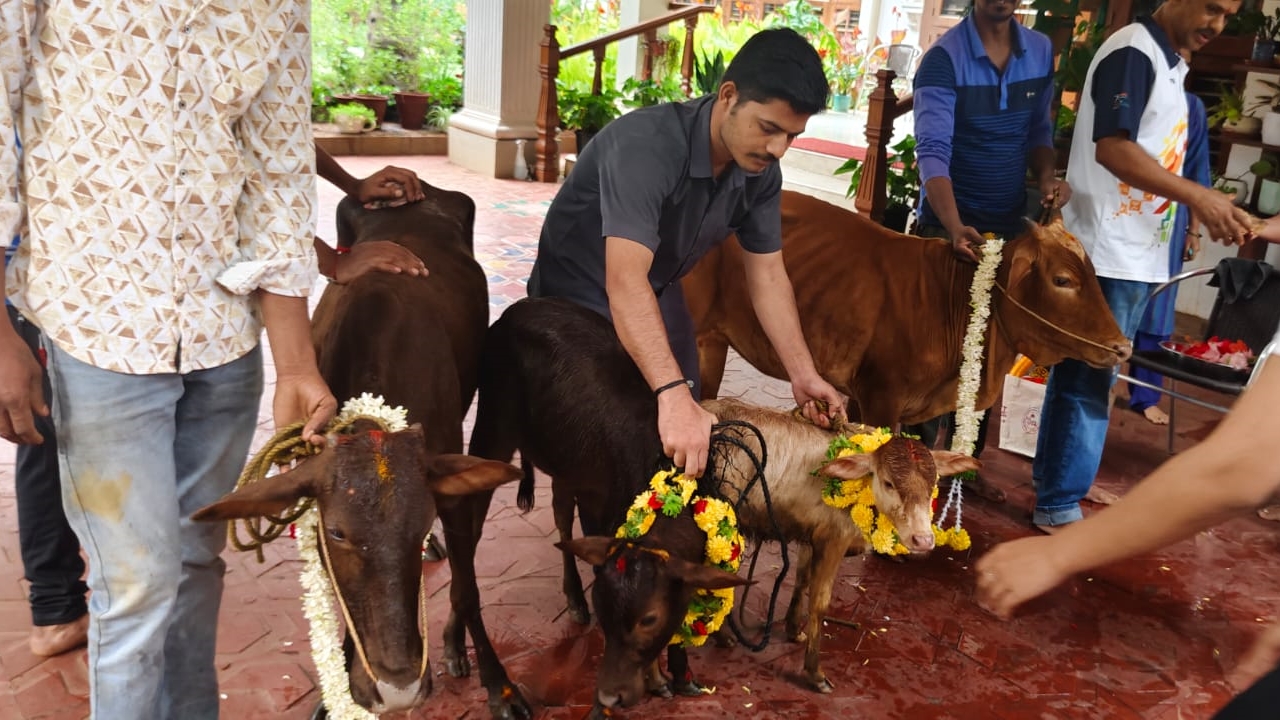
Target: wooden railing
column 547, row 165
column 883, row 108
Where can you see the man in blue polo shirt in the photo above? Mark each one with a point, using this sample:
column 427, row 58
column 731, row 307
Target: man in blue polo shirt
column 982, row 98
column 657, row 189
column 1126, row 165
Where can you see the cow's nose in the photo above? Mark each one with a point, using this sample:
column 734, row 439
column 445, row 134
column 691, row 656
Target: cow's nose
column 608, row 700
column 922, row 542
column 1124, row 350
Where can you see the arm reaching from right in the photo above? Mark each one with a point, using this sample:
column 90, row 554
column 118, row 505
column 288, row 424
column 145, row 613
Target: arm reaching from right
column 1174, row 502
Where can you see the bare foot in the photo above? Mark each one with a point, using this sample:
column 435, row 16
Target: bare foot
column 1101, row 496
column 1270, row 512
column 1156, row 416
column 50, row 640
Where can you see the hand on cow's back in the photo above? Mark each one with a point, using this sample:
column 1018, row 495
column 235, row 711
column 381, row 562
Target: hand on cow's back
column 685, row 430
column 381, row 256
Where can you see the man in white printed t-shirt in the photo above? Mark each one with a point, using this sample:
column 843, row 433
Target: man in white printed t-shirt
column 1126, row 165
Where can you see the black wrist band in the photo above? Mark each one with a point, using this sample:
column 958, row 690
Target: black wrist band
column 673, row 384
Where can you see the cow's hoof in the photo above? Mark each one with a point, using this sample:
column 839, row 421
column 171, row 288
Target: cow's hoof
column 724, row 639
column 822, row 684
column 433, row 550
column 457, row 665
column 509, row 704
column 797, row 636
column 663, row 691
column 579, row 613
column 689, row 687
column 598, row 712
column 320, row 713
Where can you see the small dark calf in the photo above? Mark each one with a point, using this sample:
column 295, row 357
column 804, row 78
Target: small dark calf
column 557, row 385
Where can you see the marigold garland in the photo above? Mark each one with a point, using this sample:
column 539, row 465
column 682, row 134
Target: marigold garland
column 318, row 599
column 859, row 496
column 669, row 493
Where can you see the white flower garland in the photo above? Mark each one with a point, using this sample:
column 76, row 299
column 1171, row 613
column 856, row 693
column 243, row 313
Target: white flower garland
column 964, row 436
column 317, row 598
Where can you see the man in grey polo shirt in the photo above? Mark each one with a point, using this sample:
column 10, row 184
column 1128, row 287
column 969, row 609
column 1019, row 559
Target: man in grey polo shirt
column 656, row 190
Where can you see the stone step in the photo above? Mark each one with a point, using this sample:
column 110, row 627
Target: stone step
column 810, row 161
column 824, row 186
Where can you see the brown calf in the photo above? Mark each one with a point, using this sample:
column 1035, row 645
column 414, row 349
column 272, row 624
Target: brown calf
column 904, row 472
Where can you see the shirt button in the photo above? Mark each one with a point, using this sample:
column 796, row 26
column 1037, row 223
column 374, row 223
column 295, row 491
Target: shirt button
column 180, row 237
column 186, row 29
column 182, row 104
column 182, row 173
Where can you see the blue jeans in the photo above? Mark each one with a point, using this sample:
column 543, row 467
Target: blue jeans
column 139, row 454
column 1074, row 418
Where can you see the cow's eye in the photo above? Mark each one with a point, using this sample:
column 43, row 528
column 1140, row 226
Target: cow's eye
column 888, row 485
column 649, row 620
column 337, row 534
column 1062, row 281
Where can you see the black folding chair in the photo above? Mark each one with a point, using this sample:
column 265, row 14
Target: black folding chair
column 1252, row 320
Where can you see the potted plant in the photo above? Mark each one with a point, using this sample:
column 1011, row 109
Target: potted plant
column 643, row 93
column 412, row 107
column 902, row 183
column 1267, row 170
column 438, row 118
column 585, row 113
column 1229, row 113
column 845, row 73
column 1265, row 37
column 352, row 118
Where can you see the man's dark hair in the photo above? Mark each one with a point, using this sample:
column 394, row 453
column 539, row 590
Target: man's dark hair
column 780, row 65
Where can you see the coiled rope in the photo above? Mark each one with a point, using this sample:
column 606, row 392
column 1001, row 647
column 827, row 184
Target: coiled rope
column 283, row 449
column 728, row 437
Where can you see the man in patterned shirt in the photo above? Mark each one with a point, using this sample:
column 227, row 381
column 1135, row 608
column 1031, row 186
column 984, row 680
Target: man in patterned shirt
column 166, row 200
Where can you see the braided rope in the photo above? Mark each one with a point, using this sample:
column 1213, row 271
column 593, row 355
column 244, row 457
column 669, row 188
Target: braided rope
column 283, row 449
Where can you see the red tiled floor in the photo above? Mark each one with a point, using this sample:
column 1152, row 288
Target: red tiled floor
column 1145, row 639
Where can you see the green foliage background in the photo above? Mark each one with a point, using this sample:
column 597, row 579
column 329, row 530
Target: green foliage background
column 380, row 46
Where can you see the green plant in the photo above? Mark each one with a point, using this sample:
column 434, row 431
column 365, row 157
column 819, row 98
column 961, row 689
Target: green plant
column 642, row 93
column 1267, row 100
column 1073, row 68
column 1269, row 27
column 353, row 110
column 707, row 72
column 1066, row 119
column 581, row 110
column 845, row 73
column 438, row 117
column 804, row 18
column 378, row 46
column 445, row 90
column 1229, row 108
column 1267, row 167
column 902, row 182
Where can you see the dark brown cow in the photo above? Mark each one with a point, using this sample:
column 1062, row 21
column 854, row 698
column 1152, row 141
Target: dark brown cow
column 415, row 341
column 558, row 386
column 885, row 314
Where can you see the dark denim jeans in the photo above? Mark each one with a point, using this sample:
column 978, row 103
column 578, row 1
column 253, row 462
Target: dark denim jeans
column 51, row 558
column 1075, row 415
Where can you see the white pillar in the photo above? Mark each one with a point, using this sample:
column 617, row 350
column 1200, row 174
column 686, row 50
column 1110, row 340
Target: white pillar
column 500, row 85
column 630, row 51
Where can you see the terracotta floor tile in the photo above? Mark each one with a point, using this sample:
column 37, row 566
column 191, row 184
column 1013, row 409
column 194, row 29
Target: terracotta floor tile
column 1148, row 639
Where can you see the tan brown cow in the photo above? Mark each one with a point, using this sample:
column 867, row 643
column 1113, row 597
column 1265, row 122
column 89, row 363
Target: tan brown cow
column 884, row 313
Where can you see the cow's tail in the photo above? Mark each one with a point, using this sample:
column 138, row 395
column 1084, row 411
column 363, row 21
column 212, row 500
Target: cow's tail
column 524, row 495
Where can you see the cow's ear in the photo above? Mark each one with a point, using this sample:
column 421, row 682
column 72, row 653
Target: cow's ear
column 1022, row 255
column 451, row 474
column 850, row 467
column 594, row 549
column 950, row 463
column 268, row 496
column 703, row 576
